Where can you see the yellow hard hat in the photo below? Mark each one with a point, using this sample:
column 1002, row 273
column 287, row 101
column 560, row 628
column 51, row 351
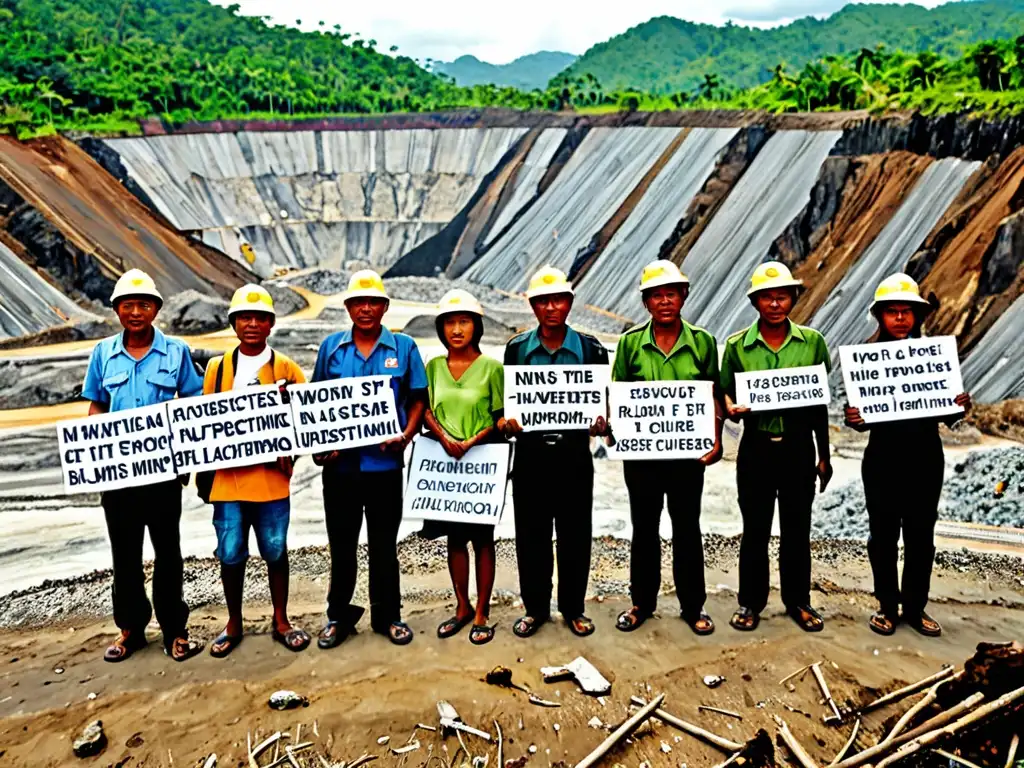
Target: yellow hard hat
column 135, row 282
column 772, row 274
column 365, row 283
column 458, row 300
column 661, row 272
column 898, row 288
column 252, row 298
column 547, row 281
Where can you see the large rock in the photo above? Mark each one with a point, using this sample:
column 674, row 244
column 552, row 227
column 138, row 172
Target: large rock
column 191, row 312
column 286, row 301
column 92, row 741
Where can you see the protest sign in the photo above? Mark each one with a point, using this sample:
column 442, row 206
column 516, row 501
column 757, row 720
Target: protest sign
column 467, row 490
column 116, row 450
column 555, row 397
column 662, row 419
column 344, row 413
column 232, row 429
column 909, row 379
column 783, row 388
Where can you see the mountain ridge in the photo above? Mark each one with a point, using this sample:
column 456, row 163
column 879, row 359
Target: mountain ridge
column 528, row 72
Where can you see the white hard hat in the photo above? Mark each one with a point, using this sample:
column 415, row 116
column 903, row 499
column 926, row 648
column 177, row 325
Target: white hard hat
column 458, row 300
column 135, row 282
column 661, row 272
column 548, row 281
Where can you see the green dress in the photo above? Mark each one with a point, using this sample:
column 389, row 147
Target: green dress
column 464, row 408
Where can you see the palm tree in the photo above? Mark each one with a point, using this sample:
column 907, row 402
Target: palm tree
column 710, row 87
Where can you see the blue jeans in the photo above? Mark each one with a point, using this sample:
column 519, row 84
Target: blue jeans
column 232, row 520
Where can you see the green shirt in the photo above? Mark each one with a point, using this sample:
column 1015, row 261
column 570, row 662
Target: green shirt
column 466, row 407
column 747, row 351
column 639, row 358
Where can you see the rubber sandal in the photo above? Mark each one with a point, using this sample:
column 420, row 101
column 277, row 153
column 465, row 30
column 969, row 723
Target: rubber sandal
column 921, row 622
column 332, row 635
column 125, row 645
column 881, row 624
column 230, row 642
column 402, row 639
column 191, row 648
column 452, row 626
column 286, row 639
column 631, row 620
column 481, row 634
column 587, row 624
column 527, row 626
column 813, row 621
column 702, row 616
column 745, row 620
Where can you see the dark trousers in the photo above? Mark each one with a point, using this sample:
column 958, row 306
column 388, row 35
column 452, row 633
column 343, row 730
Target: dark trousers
column 129, row 512
column 649, row 484
column 348, row 496
column 766, row 471
column 553, row 485
column 902, row 492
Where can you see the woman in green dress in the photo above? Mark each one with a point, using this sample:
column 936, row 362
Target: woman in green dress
column 466, row 392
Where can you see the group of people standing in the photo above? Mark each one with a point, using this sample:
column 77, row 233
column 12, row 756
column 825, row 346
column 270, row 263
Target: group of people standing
column 457, row 400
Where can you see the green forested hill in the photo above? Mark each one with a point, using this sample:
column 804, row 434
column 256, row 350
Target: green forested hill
column 526, row 73
column 668, row 55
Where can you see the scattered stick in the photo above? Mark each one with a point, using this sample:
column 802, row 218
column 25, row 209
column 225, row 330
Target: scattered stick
column 800, row 671
column 534, row 699
column 714, row 740
column 820, row 678
column 1012, row 753
column 902, row 693
column 794, row 746
column 702, row 708
column 421, row 726
column 211, row 761
column 265, row 745
column 735, row 756
column 849, row 743
column 621, row 732
column 410, row 746
column 910, row 714
column 501, row 757
column 362, row 761
column 955, row 758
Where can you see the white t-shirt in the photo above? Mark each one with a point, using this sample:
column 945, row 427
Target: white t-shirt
column 247, row 372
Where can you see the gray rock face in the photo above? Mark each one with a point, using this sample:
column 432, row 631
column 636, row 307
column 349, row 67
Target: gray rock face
column 286, row 301
column 191, row 312
column 326, row 282
column 92, row 741
column 27, row 383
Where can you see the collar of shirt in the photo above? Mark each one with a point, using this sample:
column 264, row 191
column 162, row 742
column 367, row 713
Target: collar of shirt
column 753, row 336
column 159, row 344
column 386, row 339
column 572, row 344
column 685, row 340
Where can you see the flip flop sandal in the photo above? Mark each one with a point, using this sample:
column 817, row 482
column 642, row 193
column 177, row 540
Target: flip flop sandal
column 587, row 626
column 230, row 642
column 918, row 623
column 882, row 624
column 192, row 648
column 287, row 639
column 480, row 634
column 405, row 633
column 528, row 626
column 332, row 635
column 813, row 621
column 452, row 626
column 694, row 624
column 631, row 620
column 125, row 646
column 745, row 620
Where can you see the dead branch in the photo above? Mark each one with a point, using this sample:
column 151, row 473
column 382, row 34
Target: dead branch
column 849, row 743
column 800, row 671
column 703, row 708
column 902, row 693
column 927, row 700
column 714, row 740
column 823, row 686
column 501, row 758
column 621, row 732
column 1012, row 752
column 794, row 746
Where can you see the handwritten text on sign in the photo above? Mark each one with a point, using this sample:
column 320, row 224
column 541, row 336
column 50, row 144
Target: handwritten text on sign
column 344, row 413
column 783, row 388
column 908, row 379
column 662, row 419
column 230, row 429
column 115, row 450
column 555, row 397
column 467, row 490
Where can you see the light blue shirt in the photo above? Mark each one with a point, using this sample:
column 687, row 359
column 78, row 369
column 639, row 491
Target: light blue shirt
column 119, row 381
column 394, row 355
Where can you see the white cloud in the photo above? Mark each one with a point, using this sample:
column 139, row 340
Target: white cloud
column 498, row 33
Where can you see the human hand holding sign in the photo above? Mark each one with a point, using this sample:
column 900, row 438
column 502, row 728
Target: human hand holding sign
column 454, row 448
column 733, row 411
column 599, row 427
column 853, row 418
column 713, row 456
column 509, row 428
column 964, row 401
column 395, row 444
column 824, row 473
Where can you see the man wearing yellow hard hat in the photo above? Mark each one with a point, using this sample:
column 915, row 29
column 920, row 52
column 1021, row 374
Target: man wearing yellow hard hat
column 896, row 451
column 136, row 368
column 776, row 459
column 667, row 348
column 254, row 497
column 567, row 502
column 368, row 481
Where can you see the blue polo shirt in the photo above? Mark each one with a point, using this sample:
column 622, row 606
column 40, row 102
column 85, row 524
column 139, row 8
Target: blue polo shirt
column 119, row 381
column 394, row 355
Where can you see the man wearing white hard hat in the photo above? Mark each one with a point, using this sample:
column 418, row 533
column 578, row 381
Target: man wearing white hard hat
column 667, row 348
column 136, row 368
column 368, row 481
column 553, row 472
column 257, row 496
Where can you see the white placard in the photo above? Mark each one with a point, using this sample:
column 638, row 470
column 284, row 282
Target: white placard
column 344, row 413
column 909, row 379
column 467, row 490
column 783, row 388
column 240, row 428
column 116, row 450
column 661, row 419
column 555, row 397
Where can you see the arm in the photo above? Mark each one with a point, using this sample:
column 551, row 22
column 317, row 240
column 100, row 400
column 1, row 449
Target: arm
column 416, row 377
column 92, row 387
column 97, row 408
column 854, row 420
column 190, row 383
column 600, row 426
column 965, row 402
column 715, row 454
column 727, row 380
column 820, row 422
column 508, row 427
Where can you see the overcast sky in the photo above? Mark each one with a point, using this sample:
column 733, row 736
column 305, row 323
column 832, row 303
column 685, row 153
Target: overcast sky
column 501, row 31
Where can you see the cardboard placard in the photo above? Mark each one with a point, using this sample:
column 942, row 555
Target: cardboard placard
column 231, row 429
column 555, row 397
column 783, row 388
column 116, row 450
column 661, row 419
column 909, row 379
column 344, row 413
column 467, row 490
